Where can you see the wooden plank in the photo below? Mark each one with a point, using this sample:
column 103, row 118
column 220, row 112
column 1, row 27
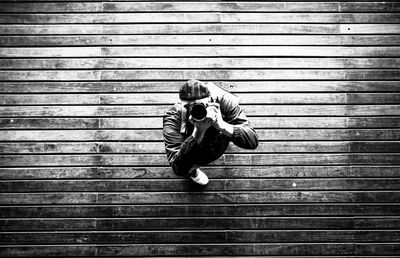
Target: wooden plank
column 173, row 87
column 228, row 159
column 52, row 250
column 203, row 249
column 301, row 171
column 177, row 185
column 159, row 147
column 156, row 123
column 277, row 28
column 201, row 74
column 202, row 7
column 216, row 40
column 171, row 98
column 167, row 98
column 159, row 110
column 200, row 197
column 156, row 135
column 204, row 51
column 233, row 236
column 93, row 18
column 136, row 63
column 50, row 7
column 199, row 211
column 205, row 223
column 198, row 17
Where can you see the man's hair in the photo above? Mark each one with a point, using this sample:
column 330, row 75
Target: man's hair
column 193, row 89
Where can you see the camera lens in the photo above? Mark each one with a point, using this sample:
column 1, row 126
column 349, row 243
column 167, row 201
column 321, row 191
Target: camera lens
column 198, row 111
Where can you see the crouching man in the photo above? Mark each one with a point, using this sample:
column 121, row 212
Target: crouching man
column 198, row 129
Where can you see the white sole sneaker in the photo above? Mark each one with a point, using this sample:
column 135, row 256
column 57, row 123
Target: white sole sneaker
column 201, row 177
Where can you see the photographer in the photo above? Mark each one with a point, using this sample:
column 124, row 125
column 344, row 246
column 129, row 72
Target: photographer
column 198, row 129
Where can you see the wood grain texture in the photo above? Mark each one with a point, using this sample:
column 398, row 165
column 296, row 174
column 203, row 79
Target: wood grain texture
column 154, row 29
column 156, row 122
column 203, row 51
column 198, row 17
column 203, row 6
column 208, row 40
column 221, row 172
column 83, row 90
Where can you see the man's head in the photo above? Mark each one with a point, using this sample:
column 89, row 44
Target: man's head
column 195, row 96
column 193, row 90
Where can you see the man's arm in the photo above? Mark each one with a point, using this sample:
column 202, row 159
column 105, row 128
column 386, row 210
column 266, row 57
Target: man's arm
column 236, row 125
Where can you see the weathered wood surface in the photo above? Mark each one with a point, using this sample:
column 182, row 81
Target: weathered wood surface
column 156, row 123
column 202, row 6
column 154, row 172
column 206, row 17
column 156, row 135
column 159, row 110
column 201, row 197
column 84, row 86
column 278, row 28
column 162, row 87
column 158, row 147
column 213, row 40
column 215, row 223
column 136, row 63
column 201, row 210
column 203, row 51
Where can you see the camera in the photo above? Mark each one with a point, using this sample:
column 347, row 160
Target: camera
column 198, row 110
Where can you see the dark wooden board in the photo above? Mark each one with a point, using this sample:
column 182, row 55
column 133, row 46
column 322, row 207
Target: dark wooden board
column 177, row 185
column 200, row 210
column 301, row 171
column 201, row 197
column 161, row 237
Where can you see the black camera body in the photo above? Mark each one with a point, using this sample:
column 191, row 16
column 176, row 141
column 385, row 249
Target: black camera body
column 198, row 110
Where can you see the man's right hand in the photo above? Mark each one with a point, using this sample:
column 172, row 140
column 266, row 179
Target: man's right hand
column 200, row 127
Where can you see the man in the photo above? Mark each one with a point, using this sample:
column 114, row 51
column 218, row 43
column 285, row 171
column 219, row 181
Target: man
column 191, row 143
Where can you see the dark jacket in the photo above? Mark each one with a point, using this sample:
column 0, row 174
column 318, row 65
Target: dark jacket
column 183, row 151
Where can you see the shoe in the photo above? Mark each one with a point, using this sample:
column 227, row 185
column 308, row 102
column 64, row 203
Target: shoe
column 201, row 178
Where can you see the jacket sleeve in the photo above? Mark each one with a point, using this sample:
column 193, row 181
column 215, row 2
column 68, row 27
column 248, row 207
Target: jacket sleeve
column 180, row 151
column 244, row 135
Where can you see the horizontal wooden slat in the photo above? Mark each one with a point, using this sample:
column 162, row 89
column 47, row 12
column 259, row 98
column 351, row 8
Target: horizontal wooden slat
column 159, row 147
column 204, row 51
column 156, row 135
column 255, row 110
column 199, row 237
column 177, row 185
column 179, row 40
column 203, row 6
column 156, row 123
column 226, row 210
column 173, row 87
column 203, row 249
column 277, row 28
column 171, row 98
column 200, row 197
column 136, row 63
column 227, row 159
column 301, row 171
column 215, row 223
column 212, row 17
column 213, row 74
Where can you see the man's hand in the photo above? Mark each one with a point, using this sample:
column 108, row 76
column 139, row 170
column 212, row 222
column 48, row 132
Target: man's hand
column 219, row 123
column 200, row 127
